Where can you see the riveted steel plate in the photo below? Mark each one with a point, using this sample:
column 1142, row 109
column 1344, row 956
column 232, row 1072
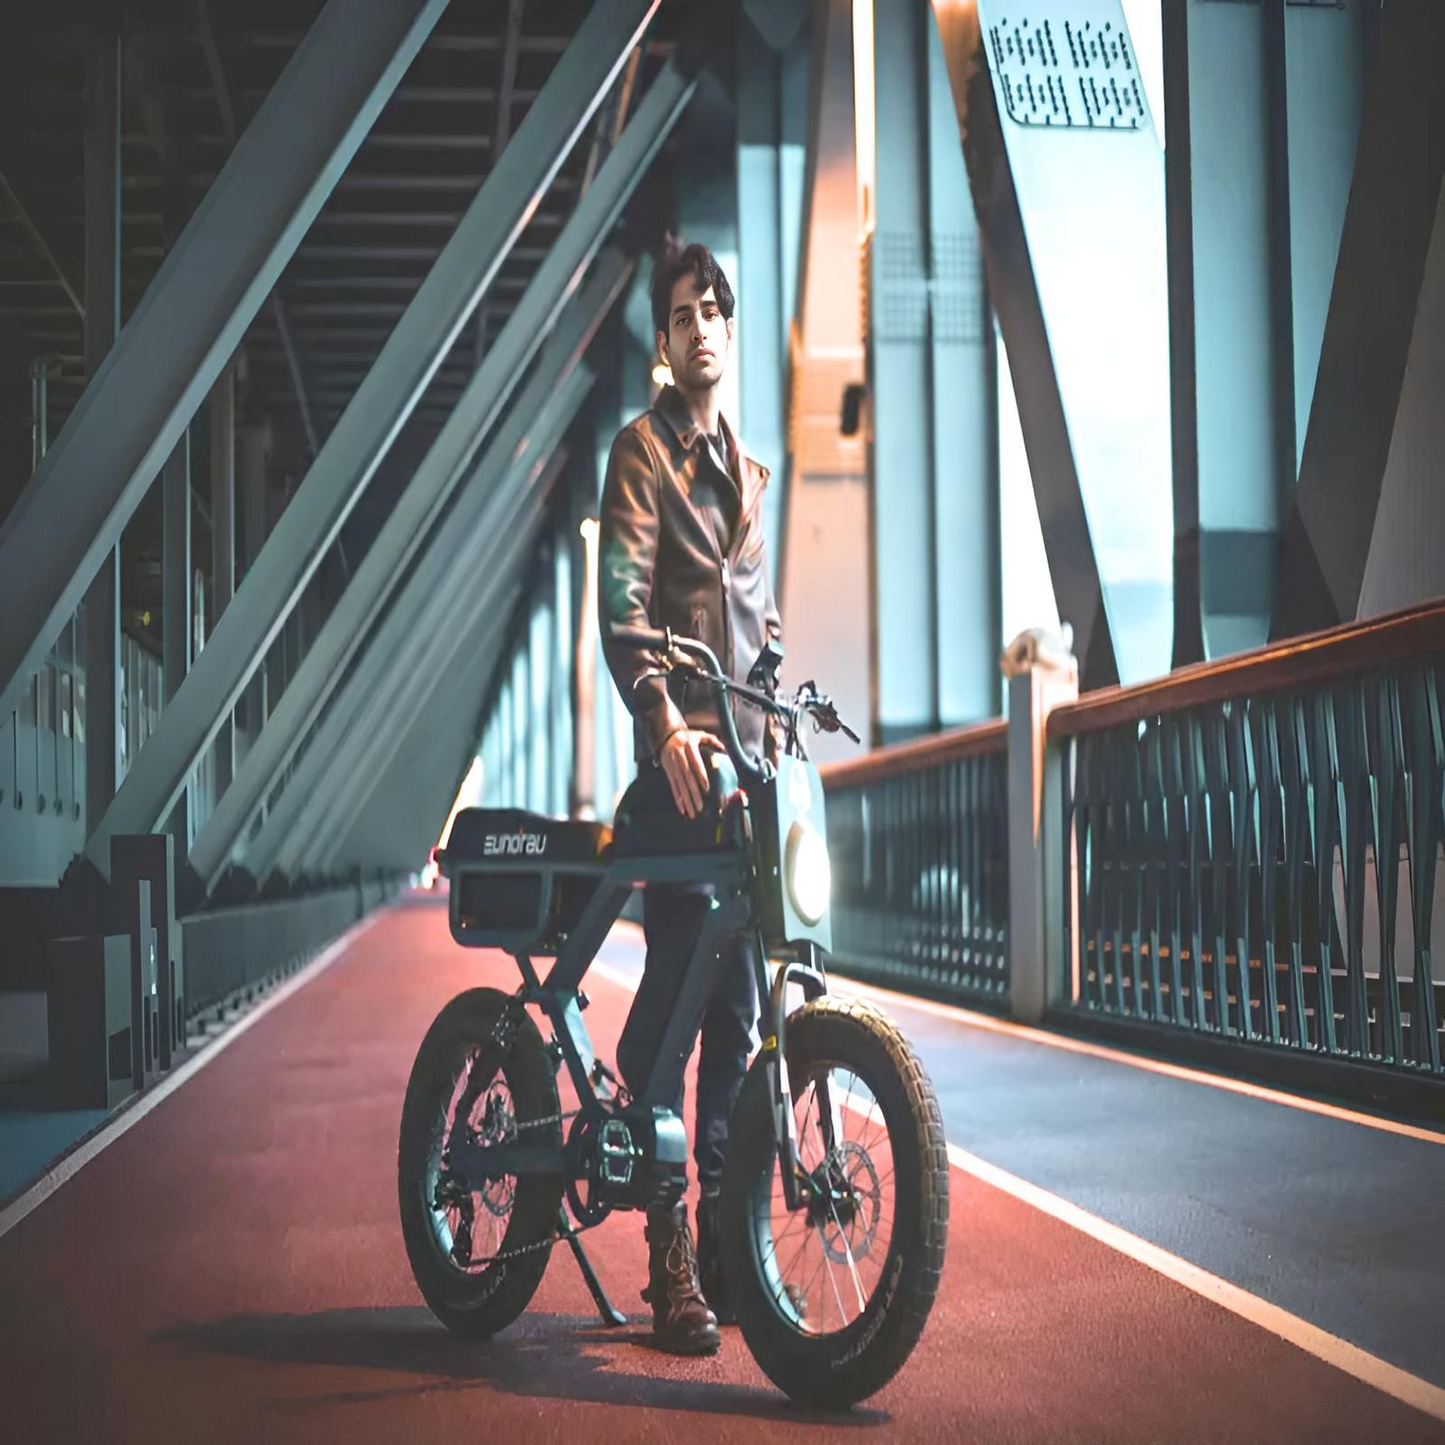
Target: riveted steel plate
column 1075, row 72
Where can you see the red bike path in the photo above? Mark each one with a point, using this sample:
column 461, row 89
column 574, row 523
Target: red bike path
column 231, row 1269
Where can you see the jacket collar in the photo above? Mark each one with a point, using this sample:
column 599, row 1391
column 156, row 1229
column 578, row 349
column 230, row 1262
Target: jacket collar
column 673, row 410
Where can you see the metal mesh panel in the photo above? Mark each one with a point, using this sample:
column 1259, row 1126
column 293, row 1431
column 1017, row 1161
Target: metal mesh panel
column 1267, row 869
column 920, row 879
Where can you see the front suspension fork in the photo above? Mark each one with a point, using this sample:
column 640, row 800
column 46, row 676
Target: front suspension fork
column 775, row 1047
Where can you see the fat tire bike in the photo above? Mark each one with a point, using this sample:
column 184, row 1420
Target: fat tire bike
column 833, row 1217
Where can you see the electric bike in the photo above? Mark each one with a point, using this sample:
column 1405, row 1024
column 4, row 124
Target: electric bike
column 833, row 1217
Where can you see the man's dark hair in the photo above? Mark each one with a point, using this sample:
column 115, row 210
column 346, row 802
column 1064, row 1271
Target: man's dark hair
column 678, row 262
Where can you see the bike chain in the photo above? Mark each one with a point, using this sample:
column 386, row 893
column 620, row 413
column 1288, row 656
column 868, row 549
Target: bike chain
column 504, row 1024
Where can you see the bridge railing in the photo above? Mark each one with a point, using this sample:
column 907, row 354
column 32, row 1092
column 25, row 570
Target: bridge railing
column 919, row 840
column 1245, row 859
column 1254, row 846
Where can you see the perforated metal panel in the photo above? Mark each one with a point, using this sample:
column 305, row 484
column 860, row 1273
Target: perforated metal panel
column 1074, row 72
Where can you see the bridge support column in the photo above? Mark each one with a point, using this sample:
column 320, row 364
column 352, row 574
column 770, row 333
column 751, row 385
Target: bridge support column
column 1040, row 876
column 1264, row 106
column 933, row 473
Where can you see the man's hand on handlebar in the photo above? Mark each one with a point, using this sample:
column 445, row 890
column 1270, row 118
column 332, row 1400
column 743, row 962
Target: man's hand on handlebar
column 681, row 758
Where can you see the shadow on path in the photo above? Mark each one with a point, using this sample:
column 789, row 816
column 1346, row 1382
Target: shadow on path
column 542, row 1356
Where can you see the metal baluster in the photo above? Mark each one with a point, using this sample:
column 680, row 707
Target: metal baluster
column 1242, row 794
column 1354, row 812
column 1385, row 785
column 1325, row 793
column 1171, row 821
column 1220, row 841
column 1266, row 820
column 1425, row 830
column 1154, row 854
column 1298, row 832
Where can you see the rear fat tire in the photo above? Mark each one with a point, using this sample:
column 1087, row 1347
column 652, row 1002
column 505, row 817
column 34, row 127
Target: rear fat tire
column 477, row 1305
column 839, row 1369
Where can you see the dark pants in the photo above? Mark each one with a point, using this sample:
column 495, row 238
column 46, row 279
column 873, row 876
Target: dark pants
column 672, row 916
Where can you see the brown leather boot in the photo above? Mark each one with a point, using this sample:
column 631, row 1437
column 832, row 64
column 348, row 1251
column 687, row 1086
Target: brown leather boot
column 682, row 1324
column 709, row 1263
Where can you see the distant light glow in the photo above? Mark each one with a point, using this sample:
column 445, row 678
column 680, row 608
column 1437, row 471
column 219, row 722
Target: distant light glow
column 662, row 374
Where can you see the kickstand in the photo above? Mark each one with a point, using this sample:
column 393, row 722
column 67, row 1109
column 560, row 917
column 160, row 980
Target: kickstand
column 610, row 1316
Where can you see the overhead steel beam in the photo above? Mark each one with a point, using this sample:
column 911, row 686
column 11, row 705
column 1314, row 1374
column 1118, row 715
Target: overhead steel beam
column 450, row 455
column 1384, row 247
column 457, row 568
column 42, row 245
column 206, row 293
column 376, row 414
column 460, row 663
column 1068, row 185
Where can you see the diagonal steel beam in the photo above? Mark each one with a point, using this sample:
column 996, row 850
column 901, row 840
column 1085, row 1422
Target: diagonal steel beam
column 446, row 463
column 208, row 290
column 361, row 438
column 483, row 524
column 454, row 656
column 445, row 715
column 333, row 808
column 408, row 530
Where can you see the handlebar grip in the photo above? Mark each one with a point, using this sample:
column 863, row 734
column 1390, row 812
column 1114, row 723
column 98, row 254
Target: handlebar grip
column 640, row 637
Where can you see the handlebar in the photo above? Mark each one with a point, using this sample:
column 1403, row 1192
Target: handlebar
column 751, row 773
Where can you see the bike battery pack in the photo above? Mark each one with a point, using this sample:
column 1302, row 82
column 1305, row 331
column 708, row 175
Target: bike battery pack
column 520, row 880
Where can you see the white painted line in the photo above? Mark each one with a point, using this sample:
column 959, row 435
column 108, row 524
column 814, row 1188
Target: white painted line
column 970, row 1018
column 128, row 1118
column 1369, row 1369
column 1340, row 1354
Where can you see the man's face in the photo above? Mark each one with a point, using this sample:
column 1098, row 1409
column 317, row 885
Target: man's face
column 698, row 336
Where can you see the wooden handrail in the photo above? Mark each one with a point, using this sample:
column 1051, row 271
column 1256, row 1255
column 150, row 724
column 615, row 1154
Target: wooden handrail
column 918, row 755
column 1301, row 662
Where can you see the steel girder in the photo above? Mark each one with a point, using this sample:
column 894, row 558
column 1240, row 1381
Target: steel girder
column 455, row 686
column 1370, row 325
column 1263, row 105
column 392, row 388
column 933, row 412
column 498, row 554
column 479, row 519
column 1070, row 199
column 445, row 463
column 208, row 290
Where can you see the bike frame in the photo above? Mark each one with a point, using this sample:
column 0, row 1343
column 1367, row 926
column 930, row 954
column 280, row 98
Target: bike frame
column 559, row 997
column 732, row 875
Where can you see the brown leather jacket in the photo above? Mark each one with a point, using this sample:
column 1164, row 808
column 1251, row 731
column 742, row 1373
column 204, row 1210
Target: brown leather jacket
column 661, row 564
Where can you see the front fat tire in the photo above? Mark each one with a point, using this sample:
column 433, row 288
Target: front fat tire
column 477, row 1306
column 838, row 1370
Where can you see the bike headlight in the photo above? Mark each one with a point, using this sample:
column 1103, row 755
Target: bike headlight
column 808, row 874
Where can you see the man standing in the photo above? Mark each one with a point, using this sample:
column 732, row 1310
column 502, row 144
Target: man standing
column 681, row 547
